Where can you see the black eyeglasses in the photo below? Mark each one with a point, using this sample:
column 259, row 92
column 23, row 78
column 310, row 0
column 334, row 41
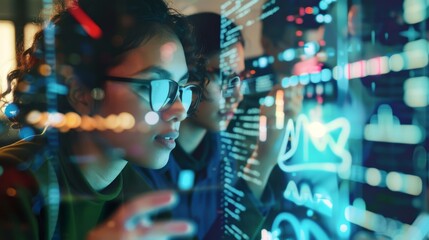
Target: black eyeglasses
column 231, row 84
column 229, row 81
column 164, row 92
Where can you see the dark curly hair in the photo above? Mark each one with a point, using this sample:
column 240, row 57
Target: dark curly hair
column 208, row 33
column 123, row 25
column 211, row 36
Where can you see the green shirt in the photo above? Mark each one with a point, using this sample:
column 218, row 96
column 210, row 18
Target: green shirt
column 37, row 201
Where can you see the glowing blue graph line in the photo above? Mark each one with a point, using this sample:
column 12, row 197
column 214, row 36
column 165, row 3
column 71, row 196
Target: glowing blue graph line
column 314, row 228
column 304, row 196
column 302, row 229
column 321, row 142
column 275, row 229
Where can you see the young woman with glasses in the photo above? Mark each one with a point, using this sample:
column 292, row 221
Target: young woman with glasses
column 196, row 165
column 105, row 83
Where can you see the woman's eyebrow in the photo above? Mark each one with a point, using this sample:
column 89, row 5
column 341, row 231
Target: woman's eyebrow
column 160, row 72
column 185, row 77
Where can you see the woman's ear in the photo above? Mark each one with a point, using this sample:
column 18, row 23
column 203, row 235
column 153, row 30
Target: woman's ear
column 79, row 97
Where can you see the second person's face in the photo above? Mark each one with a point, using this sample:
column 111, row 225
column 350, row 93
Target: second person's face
column 217, row 109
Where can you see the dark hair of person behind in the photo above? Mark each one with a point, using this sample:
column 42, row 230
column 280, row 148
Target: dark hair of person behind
column 206, row 28
column 124, row 25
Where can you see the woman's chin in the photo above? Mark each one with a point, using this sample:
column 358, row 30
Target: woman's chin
column 152, row 163
column 159, row 165
column 159, row 161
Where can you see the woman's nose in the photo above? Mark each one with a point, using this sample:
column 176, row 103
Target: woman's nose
column 176, row 112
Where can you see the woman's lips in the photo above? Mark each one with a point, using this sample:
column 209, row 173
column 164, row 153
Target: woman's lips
column 167, row 140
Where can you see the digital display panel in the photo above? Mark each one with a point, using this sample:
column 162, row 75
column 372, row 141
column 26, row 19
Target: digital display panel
column 353, row 163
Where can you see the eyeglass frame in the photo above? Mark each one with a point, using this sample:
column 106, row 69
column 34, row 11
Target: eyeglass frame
column 229, row 77
column 147, row 82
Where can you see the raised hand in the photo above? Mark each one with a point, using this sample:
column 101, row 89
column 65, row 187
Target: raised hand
column 132, row 220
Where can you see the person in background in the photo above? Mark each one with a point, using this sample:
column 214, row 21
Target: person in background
column 291, row 40
column 197, row 154
column 197, row 163
column 105, row 83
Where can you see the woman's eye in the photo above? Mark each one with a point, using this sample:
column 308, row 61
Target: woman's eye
column 143, row 89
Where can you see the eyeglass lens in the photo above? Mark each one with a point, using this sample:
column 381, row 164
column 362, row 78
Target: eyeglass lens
column 161, row 99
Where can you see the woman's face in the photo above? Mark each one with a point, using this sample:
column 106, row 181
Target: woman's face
column 217, row 109
column 151, row 140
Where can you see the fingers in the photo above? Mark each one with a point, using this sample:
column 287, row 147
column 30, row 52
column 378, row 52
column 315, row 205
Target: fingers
column 136, row 211
column 132, row 220
column 165, row 230
column 160, row 230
